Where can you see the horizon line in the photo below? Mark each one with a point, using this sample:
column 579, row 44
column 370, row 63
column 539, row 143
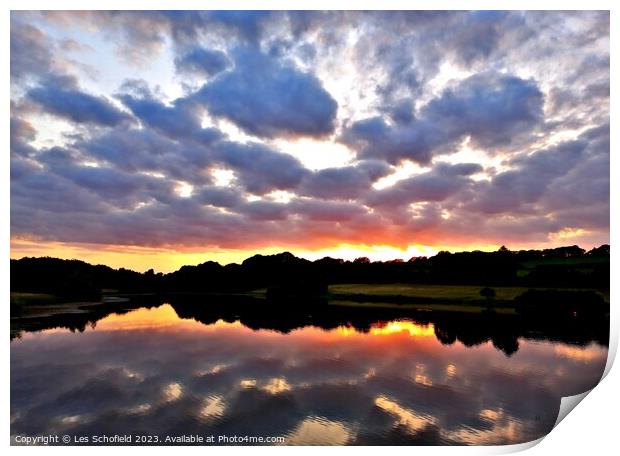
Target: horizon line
column 398, row 260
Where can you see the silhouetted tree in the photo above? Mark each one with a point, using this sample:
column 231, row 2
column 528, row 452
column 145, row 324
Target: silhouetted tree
column 487, row 292
column 361, row 260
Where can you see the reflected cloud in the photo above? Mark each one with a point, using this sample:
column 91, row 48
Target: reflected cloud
column 277, row 385
column 213, row 407
column 319, row 431
column 586, row 354
column 172, row 392
column 412, row 420
column 138, row 409
column 390, row 382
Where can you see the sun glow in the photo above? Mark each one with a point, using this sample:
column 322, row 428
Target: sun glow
column 163, row 259
column 373, row 252
column 184, row 190
column 222, row 177
column 404, row 171
column 398, row 327
column 567, row 233
column 316, row 154
column 391, row 328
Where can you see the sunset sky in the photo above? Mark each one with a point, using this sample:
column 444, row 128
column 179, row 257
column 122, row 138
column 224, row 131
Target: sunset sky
column 157, row 139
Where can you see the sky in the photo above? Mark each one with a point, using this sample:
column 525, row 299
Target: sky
column 156, row 139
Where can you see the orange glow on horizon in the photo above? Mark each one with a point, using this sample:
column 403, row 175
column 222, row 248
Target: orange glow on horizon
column 167, row 259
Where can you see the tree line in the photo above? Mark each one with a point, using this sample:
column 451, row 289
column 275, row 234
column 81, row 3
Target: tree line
column 570, row 266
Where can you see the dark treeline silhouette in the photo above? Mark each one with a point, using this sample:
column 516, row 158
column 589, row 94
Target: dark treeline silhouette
column 570, row 267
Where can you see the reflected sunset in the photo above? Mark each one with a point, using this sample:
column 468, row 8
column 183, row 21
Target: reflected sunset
column 395, row 381
column 398, row 327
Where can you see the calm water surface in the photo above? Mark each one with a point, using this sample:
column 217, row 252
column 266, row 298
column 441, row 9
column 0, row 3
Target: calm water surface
column 151, row 372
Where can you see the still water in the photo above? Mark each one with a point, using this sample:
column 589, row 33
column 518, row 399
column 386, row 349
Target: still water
column 150, row 372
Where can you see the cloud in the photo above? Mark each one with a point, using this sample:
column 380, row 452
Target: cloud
column 75, row 105
column 258, row 168
column 268, row 98
column 202, row 62
column 174, row 121
column 527, row 182
column 247, row 24
column 22, row 132
column 134, row 150
column 219, row 197
column 492, row 109
column 30, row 51
column 510, row 91
column 261, row 169
column 326, row 211
column 344, row 182
column 265, row 211
column 478, row 34
column 441, row 182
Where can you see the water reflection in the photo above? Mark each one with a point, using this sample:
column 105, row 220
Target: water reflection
column 150, row 371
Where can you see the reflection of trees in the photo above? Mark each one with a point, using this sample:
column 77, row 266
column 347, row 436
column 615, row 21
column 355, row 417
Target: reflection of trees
column 508, row 344
column 444, row 335
column 504, row 331
column 87, row 316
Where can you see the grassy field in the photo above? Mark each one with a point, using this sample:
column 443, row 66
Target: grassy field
column 464, row 308
column 453, row 298
column 27, row 299
column 564, row 261
column 448, row 292
column 583, row 264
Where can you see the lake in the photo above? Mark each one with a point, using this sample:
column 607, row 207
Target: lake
column 148, row 373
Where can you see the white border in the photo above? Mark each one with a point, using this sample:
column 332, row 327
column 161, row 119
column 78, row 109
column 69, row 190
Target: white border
column 591, row 428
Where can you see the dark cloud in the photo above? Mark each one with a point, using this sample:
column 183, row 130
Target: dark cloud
column 527, row 182
column 268, row 98
column 441, row 182
column 202, row 62
column 261, row 169
column 30, row 51
column 75, row 105
column 345, row 182
column 133, row 149
column 22, row 132
column 477, row 34
column 176, row 121
column 258, row 168
column 376, row 139
column 493, row 109
column 219, row 197
column 265, row 211
column 106, row 182
column 326, row 211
